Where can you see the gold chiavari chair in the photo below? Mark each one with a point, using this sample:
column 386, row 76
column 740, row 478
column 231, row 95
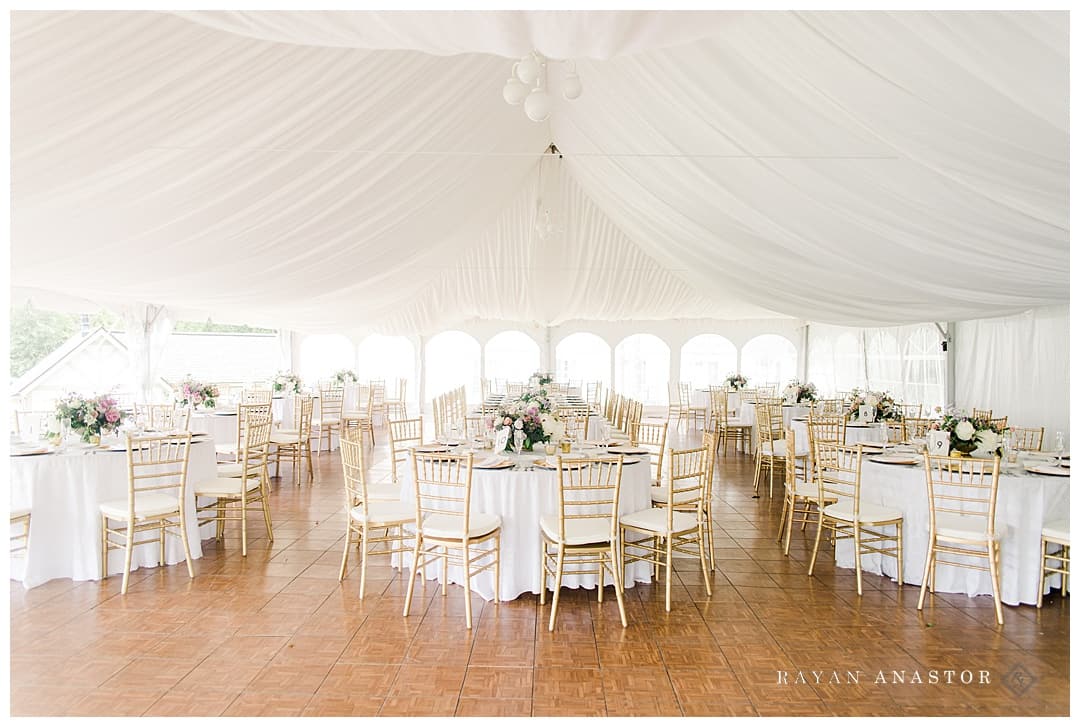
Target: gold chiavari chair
column 447, row 530
column 916, row 428
column 583, row 536
column 675, row 404
column 331, row 402
column 513, row 390
column 395, row 408
column 838, row 470
column 609, row 405
column 770, row 453
column 634, row 411
column 360, row 419
column 660, row 494
column 801, row 494
column 244, row 412
column 727, row 427
column 831, row 407
column 912, row 411
column 592, row 395
column 404, row 435
column 1054, row 533
column 1000, row 423
column 257, row 396
column 694, row 414
column 20, row 517
column 377, row 400
column 1028, row 439
column 962, row 495
column 163, row 417
column 661, row 532
column 982, row 413
column 233, row 497
column 157, row 486
column 366, row 515
column 296, row 445
column 652, row 436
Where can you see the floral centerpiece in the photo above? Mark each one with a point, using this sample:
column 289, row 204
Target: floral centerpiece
column 799, row 393
column 90, row 417
column 970, row 434
column 735, row 382
column 885, row 408
column 532, row 417
column 540, row 378
column 287, row 382
column 190, row 392
column 537, row 396
column 345, row 376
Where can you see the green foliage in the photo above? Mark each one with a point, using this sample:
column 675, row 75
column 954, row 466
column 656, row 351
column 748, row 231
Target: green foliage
column 35, row 334
column 208, row 326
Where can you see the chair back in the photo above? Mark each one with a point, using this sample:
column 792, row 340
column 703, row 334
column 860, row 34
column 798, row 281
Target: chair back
column 910, row 410
column 982, row 413
column 331, row 402
column 589, row 492
column 718, row 404
column 1000, row 423
column 303, row 406
column 962, row 490
column 354, row 469
column 653, row 437
column 916, row 427
column 1028, row 439
column 256, row 396
column 255, row 449
column 838, row 470
column 405, row 434
column 710, row 441
column 823, row 428
column 246, row 413
column 686, row 481
column 789, row 459
column 443, row 486
column 155, row 463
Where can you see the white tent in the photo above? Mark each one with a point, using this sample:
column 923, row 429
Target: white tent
column 356, row 172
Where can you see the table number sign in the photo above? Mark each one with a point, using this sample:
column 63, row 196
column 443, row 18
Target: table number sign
column 937, row 443
column 866, row 414
column 502, row 436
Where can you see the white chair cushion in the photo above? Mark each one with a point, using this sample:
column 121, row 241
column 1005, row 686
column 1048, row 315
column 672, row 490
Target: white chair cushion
column 224, row 487
column 661, row 494
column 578, row 532
column 451, row 527
column 954, row 526
column 780, row 447
column 809, row 490
column 655, row 520
column 386, row 491
column 868, row 513
column 147, row 505
column 230, row 469
column 225, row 448
column 328, row 422
column 1057, row 529
column 282, row 437
column 385, row 513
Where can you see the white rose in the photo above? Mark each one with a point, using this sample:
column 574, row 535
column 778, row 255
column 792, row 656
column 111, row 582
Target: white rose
column 965, row 430
column 988, row 440
column 873, row 399
column 519, row 424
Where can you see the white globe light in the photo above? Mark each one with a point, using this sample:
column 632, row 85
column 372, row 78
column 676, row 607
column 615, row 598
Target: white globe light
column 514, row 91
column 527, row 70
column 571, row 87
column 538, row 105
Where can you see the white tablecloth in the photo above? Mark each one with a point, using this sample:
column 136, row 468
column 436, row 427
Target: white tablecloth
column 64, row 491
column 702, row 398
column 1025, row 503
column 520, row 498
column 220, row 426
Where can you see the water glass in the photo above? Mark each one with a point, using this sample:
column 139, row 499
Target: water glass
column 519, row 441
column 1059, row 445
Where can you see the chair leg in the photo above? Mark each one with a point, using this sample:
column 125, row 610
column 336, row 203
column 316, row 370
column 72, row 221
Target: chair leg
column 817, row 542
column 701, row 556
column 543, row 570
column 858, row 558
column 187, row 546
column 413, row 570
column 128, row 548
column 992, row 552
column 615, row 576
column 345, row 553
column 926, row 573
column 899, row 555
column 104, row 547
column 667, row 575
column 266, row 511
column 468, row 587
column 363, row 557
column 558, row 587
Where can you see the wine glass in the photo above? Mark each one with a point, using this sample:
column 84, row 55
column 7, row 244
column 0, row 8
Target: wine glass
column 1059, row 445
column 519, row 441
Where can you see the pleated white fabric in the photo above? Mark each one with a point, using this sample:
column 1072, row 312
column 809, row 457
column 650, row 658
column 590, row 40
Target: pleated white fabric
column 361, row 172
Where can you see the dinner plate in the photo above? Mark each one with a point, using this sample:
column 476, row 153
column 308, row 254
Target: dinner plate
column 630, row 460
column 551, row 465
column 603, row 442
column 447, row 444
column 27, row 451
column 1044, row 469
column 432, row 448
column 895, row 459
column 223, row 414
column 492, row 463
column 626, row 449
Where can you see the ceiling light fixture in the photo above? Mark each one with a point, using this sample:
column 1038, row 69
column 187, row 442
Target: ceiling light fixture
column 531, row 71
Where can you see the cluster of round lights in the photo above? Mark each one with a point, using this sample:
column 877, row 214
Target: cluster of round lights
column 531, row 71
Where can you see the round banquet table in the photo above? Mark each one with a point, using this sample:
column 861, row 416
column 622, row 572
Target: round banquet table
column 520, row 497
column 1025, row 502
column 63, row 491
column 221, row 425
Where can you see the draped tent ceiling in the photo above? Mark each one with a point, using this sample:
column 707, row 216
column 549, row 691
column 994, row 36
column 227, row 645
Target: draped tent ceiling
column 338, row 171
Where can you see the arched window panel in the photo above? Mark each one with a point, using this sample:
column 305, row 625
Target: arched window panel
column 321, row 355
column 643, row 368
column 511, row 355
column 452, row 359
column 835, row 359
column 389, row 358
column 924, row 367
column 583, row 357
column 884, row 367
column 707, row 360
column 769, row 358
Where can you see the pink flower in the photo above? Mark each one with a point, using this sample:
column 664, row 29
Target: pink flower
column 508, row 421
column 112, row 416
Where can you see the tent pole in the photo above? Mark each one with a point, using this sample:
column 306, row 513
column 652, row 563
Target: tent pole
column 950, row 364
